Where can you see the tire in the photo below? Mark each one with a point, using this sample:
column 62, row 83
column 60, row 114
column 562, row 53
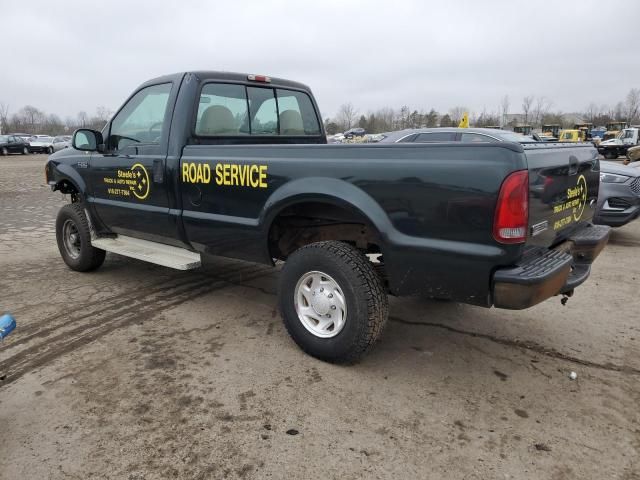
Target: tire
column 25, row 151
column 77, row 251
column 4, row 151
column 50, row 150
column 610, row 155
column 359, row 287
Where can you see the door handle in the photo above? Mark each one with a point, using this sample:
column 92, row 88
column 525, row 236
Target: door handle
column 158, row 171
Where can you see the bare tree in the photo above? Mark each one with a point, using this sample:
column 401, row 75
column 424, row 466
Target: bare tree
column 103, row 114
column 456, row 114
column 4, row 117
column 632, row 105
column 83, row 119
column 527, row 102
column 347, row 115
column 504, row 109
column 540, row 110
column 592, row 112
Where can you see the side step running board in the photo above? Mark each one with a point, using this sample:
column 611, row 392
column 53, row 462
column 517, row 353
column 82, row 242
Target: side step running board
column 152, row 252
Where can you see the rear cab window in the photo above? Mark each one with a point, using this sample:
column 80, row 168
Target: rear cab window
column 237, row 110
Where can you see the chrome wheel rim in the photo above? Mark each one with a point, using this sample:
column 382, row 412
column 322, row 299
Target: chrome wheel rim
column 320, row 304
column 71, row 239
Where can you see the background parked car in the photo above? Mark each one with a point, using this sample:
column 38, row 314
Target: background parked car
column 41, row 144
column 61, row 142
column 431, row 135
column 633, row 155
column 12, row 144
column 619, row 194
column 23, row 136
column 355, row 132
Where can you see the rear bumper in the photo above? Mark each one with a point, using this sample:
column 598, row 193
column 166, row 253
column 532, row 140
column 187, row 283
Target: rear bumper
column 543, row 273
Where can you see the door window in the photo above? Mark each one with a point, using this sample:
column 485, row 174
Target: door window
column 142, row 119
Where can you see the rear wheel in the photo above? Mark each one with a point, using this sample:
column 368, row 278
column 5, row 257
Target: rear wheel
column 74, row 239
column 332, row 301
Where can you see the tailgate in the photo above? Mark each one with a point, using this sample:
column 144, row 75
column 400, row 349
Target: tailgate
column 563, row 190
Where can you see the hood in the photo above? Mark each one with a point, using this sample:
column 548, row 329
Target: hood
column 619, row 169
column 612, row 141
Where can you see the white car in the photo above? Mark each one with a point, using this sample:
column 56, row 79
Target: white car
column 41, row 144
column 61, row 142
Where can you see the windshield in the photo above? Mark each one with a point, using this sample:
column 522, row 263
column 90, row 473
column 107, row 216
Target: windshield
column 627, row 134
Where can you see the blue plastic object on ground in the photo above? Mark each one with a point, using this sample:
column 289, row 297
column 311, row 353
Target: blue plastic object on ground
column 7, row 325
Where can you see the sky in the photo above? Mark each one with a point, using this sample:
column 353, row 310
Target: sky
column 68, row 56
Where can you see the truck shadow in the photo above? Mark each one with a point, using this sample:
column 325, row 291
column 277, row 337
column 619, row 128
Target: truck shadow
column 624, row 237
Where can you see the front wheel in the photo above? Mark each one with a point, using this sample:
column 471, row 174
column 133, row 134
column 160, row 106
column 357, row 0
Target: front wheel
column 4, row 151
column 332, row 301
column 25, row 151
column 611, row 155
column 74, row 239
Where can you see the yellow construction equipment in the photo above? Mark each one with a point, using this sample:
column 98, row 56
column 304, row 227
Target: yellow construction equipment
column 613, row 129
column 464, row 123
column 523, row 129
column 574, row 135
column 551, row 130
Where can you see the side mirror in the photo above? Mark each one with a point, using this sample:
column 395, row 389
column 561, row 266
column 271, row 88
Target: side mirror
column 87, row 140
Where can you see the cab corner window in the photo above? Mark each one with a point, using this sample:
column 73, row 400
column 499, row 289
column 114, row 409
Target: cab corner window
column 142, row 119
column 297, row 115
column 222, row 110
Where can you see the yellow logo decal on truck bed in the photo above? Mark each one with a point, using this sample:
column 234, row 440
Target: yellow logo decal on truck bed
column 575, row 203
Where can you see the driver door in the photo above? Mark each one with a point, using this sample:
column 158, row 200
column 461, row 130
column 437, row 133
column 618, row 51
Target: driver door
column 128, row 181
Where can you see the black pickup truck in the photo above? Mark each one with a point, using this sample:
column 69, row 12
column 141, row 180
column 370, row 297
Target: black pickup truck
column 210, row 163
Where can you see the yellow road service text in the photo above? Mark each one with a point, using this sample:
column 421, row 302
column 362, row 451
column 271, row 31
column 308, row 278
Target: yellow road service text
column 230, row 174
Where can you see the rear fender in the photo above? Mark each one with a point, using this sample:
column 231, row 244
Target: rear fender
column 328, row 190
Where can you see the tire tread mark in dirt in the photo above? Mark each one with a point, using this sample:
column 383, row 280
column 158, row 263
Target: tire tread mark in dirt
column 123, row 300
column 533, row 347
column 32, row 358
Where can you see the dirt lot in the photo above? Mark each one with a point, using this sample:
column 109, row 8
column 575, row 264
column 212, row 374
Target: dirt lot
column 139, row 372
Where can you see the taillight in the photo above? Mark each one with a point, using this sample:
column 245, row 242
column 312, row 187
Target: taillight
column 512, row 211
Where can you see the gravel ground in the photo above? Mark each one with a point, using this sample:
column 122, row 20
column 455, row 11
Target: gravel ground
column 136, row 371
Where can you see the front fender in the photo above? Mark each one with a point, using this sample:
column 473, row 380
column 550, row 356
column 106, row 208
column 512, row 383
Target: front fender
column 59, row 172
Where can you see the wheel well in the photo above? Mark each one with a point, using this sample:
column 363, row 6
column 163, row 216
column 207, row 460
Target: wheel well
column 67, row 187
column 310, row 222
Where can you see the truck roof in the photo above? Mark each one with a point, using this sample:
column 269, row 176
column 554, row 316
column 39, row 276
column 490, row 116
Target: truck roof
column 229, row 77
